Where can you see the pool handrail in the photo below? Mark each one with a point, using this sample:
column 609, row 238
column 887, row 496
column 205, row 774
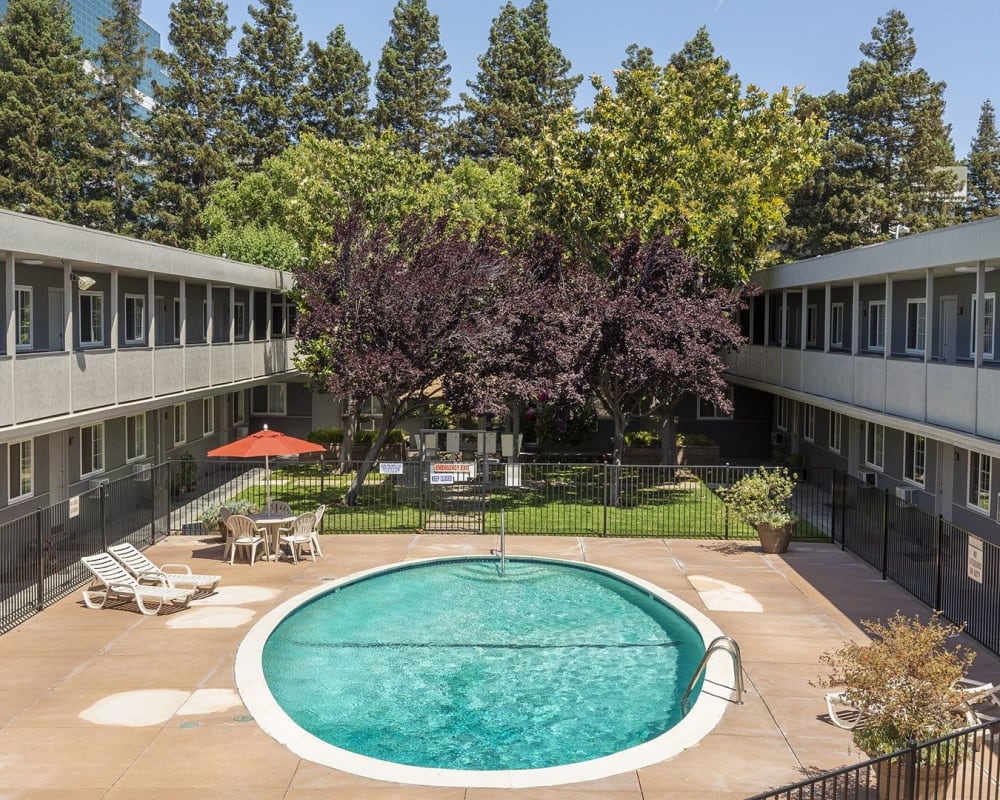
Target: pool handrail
column 720, row 643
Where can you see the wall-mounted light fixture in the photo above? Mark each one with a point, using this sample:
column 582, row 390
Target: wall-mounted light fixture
column 83, row 281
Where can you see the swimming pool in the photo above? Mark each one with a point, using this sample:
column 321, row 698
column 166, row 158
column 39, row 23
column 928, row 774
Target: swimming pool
column 443, row 672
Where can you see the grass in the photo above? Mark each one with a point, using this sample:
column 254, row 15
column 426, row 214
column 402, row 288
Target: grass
column 567, row 500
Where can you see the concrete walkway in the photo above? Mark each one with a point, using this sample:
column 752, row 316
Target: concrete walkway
column 111, row 704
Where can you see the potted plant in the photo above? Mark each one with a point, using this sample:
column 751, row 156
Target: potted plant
column 211, row 516
column 185, row 474
column 906, row 684
column 760, row 499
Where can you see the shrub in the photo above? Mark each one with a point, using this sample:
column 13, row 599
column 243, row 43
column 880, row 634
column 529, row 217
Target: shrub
column 641, row 439
column 211, row 516
column 694, row 440
column 326, row 436
column 905, row 681
column 761, row 497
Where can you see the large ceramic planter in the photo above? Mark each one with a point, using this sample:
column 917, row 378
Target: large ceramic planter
column 892, row 780
column 775, row 538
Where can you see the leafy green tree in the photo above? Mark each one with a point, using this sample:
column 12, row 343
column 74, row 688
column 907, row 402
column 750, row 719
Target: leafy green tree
column 193, row 123
column 637, row 57
column 696, row 53
column 889, row 150
column 334, row 99
column 412, row 84
column 46, row 117
column 523, row 80
column 271, row 68
column 121, row 67
column 687, row 153
column 984, row 166
column 268, row 246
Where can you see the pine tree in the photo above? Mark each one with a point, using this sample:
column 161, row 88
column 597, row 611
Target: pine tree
column 889, row 150
column 637, row 57
column 412, row 84
column 984, row 166
column 193, row 123
column 523, row 80
column 46, row 158
column 271, row 68
column 334, row 99
column 121, row 67
column 697, row 52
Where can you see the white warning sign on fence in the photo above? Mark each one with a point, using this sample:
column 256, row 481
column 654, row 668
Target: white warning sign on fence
column 975, row 568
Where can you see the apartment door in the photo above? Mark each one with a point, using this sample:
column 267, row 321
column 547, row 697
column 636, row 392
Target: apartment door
column 57, row 467
column 57, row 319
column 949, row 328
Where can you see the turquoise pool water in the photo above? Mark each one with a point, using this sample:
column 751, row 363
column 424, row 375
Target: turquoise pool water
column 451, row 665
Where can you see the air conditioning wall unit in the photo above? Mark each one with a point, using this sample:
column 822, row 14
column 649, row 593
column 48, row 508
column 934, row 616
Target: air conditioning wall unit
column 867, row 476
column 906, row 494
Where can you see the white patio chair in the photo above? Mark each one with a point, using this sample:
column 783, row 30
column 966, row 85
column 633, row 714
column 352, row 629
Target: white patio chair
column 277, row 508
column 847, row 716
column 111, row 582
column 299, row 533
column 318, row 529
column 244, row 532
column 146, row 571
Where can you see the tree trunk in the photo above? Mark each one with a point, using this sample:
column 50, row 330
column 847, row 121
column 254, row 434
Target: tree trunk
column 350, row 429
column 668, row 436
column 351, row 497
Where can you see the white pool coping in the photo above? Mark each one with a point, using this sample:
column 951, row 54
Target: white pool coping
column 704, row 715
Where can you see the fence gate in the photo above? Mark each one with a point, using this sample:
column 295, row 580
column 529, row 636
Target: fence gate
column 457, row 469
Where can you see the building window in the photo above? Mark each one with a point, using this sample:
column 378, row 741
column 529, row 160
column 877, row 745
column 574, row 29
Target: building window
column 836, row 423
column 135, row 319
column 979, row 481
column 91, row 450
column 208, row 416
column 837, row 325
column 239, row 408
column 91, row 319
column 876, row 325
column 812, row 321
column 177, row 319
column 989, row 304
column 135, row 437
column 709, row 410
column 781, row 414
column 916, row 325
column 914, row 458
column 23, row 310
column 809, row 423
column 180, row 423
column 270, row 400
column 20, row 474
column 874, row 445
column 240, row 320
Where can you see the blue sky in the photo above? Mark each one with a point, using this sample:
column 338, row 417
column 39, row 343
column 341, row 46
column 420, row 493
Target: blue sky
column 771, row 43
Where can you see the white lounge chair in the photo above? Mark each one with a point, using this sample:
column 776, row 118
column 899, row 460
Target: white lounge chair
column 146, row 571
column 847, row 716
column 111, row 582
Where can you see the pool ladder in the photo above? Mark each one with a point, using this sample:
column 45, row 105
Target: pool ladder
column 720, row 644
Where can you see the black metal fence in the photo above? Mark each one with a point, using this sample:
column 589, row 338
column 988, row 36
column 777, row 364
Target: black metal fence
column 945, row 566
column 961, row 766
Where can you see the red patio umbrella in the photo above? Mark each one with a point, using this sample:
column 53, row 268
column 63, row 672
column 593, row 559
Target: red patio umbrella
column 266, row 443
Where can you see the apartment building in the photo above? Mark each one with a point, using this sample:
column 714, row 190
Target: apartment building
column 883, row 361
column 119, row 353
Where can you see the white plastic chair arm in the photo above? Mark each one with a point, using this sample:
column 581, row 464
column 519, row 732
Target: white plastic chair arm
column 176, row 568
column 156, row 575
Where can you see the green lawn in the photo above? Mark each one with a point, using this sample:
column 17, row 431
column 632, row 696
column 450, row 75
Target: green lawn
column 565, row 500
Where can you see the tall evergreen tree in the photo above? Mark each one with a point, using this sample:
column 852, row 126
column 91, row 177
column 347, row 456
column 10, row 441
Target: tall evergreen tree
column 523, row 80
column 271, row 68
column 46, row 114
column 194, row 123
column 412, row 84
column 334, row 99
column 637, row 57
column 697, row 52
column 121, row 67
column 984, row 166
column 888, row 144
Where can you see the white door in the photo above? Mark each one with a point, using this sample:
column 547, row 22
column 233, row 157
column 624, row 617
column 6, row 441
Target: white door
column 949, row 327
column 57, row 467
column 57, row 319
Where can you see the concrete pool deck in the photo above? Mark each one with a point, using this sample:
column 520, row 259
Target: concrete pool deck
column 111, row 704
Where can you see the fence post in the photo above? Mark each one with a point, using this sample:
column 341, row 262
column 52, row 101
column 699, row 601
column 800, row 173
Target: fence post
column 833, row 505
column 322, row 476
column 910, row 785
column 843, row 511
column 885, row 533
column 938, row 536
column 103, row 489
column 152, row 505
column 40, row 600
column 607, row 486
